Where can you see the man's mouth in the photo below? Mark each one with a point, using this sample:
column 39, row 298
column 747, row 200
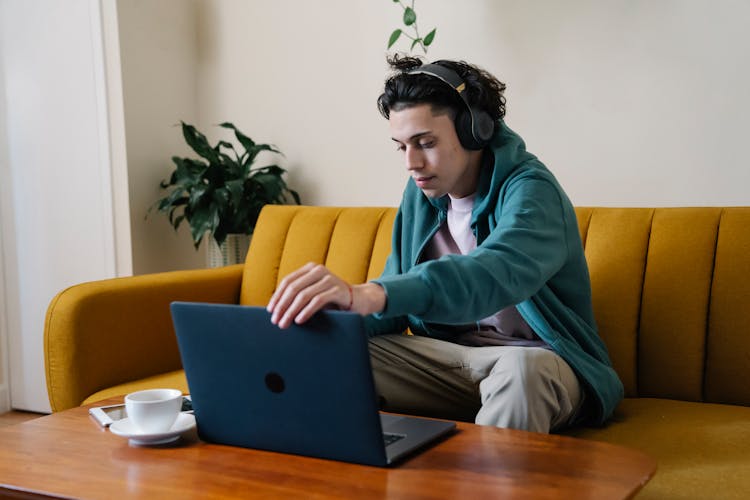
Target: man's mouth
column 423, row 181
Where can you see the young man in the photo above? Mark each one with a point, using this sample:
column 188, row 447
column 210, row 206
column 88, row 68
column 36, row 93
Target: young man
column 487, row 270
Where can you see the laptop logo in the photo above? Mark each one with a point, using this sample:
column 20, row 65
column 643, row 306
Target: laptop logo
column 275, row 382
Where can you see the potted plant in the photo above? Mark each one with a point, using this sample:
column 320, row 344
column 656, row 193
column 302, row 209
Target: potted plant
column 221, row 193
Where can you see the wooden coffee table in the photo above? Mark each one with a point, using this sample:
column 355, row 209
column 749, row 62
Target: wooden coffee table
column 67, row 454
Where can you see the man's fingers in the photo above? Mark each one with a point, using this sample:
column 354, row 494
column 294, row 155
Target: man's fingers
column 297, row 292
column 310, row 299
column 281, row 288
column 306, row 304
column 293, row 281
column 304, row 292
column 318, row 302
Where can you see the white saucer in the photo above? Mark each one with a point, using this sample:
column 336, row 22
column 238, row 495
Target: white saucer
column 126, row 429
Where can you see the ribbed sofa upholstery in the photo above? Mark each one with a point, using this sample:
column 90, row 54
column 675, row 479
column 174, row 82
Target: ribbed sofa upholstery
column 671, row 291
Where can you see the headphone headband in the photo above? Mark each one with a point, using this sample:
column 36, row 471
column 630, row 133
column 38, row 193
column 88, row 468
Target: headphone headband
column 446, row 75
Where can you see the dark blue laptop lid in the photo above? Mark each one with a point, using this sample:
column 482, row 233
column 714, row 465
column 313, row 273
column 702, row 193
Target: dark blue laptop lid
column 305, row 390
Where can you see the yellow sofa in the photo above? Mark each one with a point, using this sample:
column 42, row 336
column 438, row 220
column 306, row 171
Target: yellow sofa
column 671, row 295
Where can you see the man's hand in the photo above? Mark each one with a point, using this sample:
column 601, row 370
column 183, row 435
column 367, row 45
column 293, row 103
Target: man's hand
column 313, row 287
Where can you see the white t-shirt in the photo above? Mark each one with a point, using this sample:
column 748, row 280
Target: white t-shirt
column 459, row 223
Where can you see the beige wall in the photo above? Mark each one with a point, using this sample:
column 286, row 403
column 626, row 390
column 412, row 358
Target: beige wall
column 305, row 76
column 629, row 102
column 158, row 54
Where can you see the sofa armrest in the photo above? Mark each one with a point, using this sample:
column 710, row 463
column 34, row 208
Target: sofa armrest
column 104, row 333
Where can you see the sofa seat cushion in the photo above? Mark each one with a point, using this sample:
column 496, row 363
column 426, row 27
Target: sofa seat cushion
column 170, row 380
column 702, row 450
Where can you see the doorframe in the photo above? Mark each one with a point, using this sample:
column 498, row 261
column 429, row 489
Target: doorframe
column 4, row 194
column 4, row 360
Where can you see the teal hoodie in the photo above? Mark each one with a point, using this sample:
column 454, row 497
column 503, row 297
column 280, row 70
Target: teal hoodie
column 529, row 254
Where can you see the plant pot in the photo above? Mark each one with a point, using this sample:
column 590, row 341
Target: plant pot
column 232, row 251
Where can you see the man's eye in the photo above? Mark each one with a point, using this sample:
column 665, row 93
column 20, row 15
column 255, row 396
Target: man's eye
column 426, row 145
column 400, row 147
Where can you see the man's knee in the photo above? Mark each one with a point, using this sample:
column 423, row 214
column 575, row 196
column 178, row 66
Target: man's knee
column 526, row 390
column 524, row 368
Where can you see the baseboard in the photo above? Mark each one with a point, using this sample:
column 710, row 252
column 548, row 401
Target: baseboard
column 4, row 398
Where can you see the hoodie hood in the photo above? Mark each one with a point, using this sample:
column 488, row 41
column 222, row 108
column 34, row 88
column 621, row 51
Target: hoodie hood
column 505, row 153
column 508, row 152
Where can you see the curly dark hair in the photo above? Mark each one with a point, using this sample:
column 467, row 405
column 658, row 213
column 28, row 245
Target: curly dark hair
column 403, row 90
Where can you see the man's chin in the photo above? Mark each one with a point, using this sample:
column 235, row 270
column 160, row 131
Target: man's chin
column 433, row 193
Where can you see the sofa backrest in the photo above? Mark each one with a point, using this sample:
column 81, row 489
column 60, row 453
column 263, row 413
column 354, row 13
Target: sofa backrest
column 671, row 286
column 671, row 289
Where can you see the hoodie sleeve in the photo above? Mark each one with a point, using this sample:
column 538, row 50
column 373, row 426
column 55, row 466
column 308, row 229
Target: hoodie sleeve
column 376, row 324
column 524, row 250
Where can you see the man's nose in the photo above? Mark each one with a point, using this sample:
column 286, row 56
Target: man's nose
column 413, row 158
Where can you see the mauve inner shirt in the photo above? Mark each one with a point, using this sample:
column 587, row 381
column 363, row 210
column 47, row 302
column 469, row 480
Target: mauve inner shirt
column 504, row 328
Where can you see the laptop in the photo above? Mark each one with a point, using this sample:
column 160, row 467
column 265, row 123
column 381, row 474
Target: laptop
column 307, row 390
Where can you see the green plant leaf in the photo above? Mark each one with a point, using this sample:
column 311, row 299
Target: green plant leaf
column 221, row 197
column 225, row 145
column 394, row 37
column 178, row 221
column 197, row 194
column 200, row 224
column 246, row 142
column 410, row 16
column 236, row 189
column 232, row 167
column 430, row 37
column 170, row 200
column 198, row 142
column 180, row 203
column 230, row 146
column 187, row 173
column 415, row 42
column 253, row 151
column 269, row 184
column 215, row 175
column 295, row 196
column 274, row 169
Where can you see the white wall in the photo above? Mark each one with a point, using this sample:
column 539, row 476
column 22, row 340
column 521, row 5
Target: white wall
column 304, row 76
column 629, row 102
column 158, row 55
column 633, row 102
column 58, row 224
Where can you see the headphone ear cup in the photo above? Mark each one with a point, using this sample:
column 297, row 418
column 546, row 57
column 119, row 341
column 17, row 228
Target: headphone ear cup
column 464, row 132
column 484, row 127
column 474, row 134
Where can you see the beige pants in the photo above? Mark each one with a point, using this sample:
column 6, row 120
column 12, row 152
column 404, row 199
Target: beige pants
column 527, row 388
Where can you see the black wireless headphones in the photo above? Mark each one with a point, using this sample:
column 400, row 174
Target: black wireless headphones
column 473, row 126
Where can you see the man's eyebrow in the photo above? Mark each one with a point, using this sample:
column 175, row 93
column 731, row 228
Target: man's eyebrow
column 415, row 136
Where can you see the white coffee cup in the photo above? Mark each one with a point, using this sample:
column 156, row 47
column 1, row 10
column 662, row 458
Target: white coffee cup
column 153, row 410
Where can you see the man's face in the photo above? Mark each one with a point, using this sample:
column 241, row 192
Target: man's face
column 434, row 157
